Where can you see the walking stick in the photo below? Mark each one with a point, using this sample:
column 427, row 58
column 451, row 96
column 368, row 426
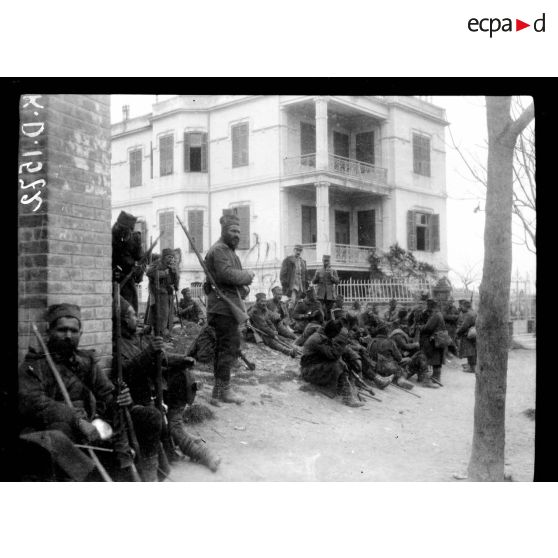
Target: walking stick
column 67, row 399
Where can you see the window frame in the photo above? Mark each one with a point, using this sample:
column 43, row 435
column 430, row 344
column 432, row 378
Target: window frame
column 171, row 152
column 132, row 151
column 240, row 153
column 422, row 160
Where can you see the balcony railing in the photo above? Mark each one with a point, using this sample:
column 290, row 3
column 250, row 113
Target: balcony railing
column 350, row 254
column 357, row 170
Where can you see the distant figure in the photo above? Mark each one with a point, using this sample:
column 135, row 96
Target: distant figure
column 390, row 315
column 430, row 322
column 188, row 308
column 293, row 275
column 126, row 252
column 467, row 345
column 307, row 310
column 326, row 279
column 280, row 314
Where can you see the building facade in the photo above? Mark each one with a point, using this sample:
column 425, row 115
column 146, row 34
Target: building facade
column 338, row 174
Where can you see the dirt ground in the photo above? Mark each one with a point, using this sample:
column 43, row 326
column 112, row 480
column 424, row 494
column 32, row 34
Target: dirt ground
column 282, row 433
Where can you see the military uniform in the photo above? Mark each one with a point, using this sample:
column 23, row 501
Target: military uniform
column 326, row 279
column 306, row 311
column 161, row 317
column 467, row 347
column 189, row 310
column 126, row 251
column 430, row 322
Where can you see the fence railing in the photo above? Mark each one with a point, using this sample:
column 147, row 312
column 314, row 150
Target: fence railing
column 383, row 290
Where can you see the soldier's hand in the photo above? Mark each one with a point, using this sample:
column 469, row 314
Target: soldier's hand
column 415, row 345
column 157, row 343
column 124, row 398
column 90, row 433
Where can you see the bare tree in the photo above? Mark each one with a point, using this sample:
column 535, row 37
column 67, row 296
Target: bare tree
column 524, row 185
column 487, row 454
column 468, row 274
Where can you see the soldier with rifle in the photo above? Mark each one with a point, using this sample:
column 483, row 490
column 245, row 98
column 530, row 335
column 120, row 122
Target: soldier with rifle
column 126, row 253
column 163, row 282
column 66, row 401
column 139, row 363
column 226, row 287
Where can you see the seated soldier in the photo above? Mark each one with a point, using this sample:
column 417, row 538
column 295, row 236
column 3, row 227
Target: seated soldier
column 139, row 370
column 306, row 310
column 49, row 426
column 388, row 358
column 188, row 308
column 280, row 314
column 354, row 353
column 390, row 315
column 261, row 321
column 369, row 319
column 321, row 363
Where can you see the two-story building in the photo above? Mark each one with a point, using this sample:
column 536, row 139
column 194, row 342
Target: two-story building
column 338, row 174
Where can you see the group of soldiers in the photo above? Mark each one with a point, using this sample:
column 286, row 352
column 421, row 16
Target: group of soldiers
column 78, row 421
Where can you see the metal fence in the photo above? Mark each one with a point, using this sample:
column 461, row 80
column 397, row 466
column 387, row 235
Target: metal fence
column 383, row 290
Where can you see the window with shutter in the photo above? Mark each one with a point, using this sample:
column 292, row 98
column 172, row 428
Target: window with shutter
column 243, row 212
column 141, row 226
column 135, row 168
column 240, row 145
column 411, row 231
column 166, row 155
column 421, row 154
column 195, row 227
column 166, row 229
column 195, row 152
column 435, row 233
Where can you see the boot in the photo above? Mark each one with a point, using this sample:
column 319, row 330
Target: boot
column 403, row 383
column 223, row 392
column 437, row 373
column 197, row 451
column 383, row 381
column 147, row 468
column 426, row 382
column 347, row 394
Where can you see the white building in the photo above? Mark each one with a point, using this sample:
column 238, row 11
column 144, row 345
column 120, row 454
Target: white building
column 338, row 174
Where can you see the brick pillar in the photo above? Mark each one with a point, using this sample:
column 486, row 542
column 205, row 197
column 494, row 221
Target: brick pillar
column 64, row 214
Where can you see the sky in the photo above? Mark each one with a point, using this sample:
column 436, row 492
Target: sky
column 465, row 226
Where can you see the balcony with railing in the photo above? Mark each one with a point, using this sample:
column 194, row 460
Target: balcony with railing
column 359, row 173
column 342, row 254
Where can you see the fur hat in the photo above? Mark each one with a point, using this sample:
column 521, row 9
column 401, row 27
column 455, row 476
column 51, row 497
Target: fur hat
column 126, row 219
column 167, row 252
column 332, row 328
column 298, row 247
column 63, row 310
column 229, row 218
column 260, row 296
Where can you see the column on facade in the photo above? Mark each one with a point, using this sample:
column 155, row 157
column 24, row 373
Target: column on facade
column 321, row 133
column 323, row 244
column 388, row 223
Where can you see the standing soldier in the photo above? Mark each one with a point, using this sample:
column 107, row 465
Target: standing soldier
column 430, row 322
column 326, row 279
column 467, row 344
column 163, row 270
column 126, row 252
column 225, row 267
column 451, row 313
column 293, row 275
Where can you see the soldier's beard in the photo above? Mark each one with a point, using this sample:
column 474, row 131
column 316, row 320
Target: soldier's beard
column 63, row 347
column 231, row 242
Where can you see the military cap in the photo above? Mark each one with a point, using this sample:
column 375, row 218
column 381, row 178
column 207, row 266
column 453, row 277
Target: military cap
column 185, row 290
column 261, row 296
column 298, row 247
column 126, row 219
column 229, row 218
column 326, row 257
column 338, row 313
column 467, row 303
column 277, row 289
column 462, row 300
column 167, row 252
column 333, row 328
column 424, row 296
column 63, row 310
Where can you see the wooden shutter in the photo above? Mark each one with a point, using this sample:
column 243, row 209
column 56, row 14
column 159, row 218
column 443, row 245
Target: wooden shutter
column 204, row 153
column 186, row 152
column 240, row 145
column 165, row 155
column 243, row 212
column 307, row 139
column 309, row 224
column 435, row 233
column 411, row 231
column 421, row 155
column 195, row 227
column 166, row 228
column 135, row 168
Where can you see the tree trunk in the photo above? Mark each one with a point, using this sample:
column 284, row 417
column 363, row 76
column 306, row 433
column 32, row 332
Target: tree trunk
column 487, row 455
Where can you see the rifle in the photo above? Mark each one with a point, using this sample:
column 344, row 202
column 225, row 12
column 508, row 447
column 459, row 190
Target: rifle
column 362, row 384
column 258, row 333
column 159, row 403
column 141, row 262
column 249, row 364
column 403, row 389
column 238, row 313
column 178, row 309
column 124, row 411
column 67, row 399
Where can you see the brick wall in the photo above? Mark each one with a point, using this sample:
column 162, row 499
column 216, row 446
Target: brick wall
column 64, row 214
